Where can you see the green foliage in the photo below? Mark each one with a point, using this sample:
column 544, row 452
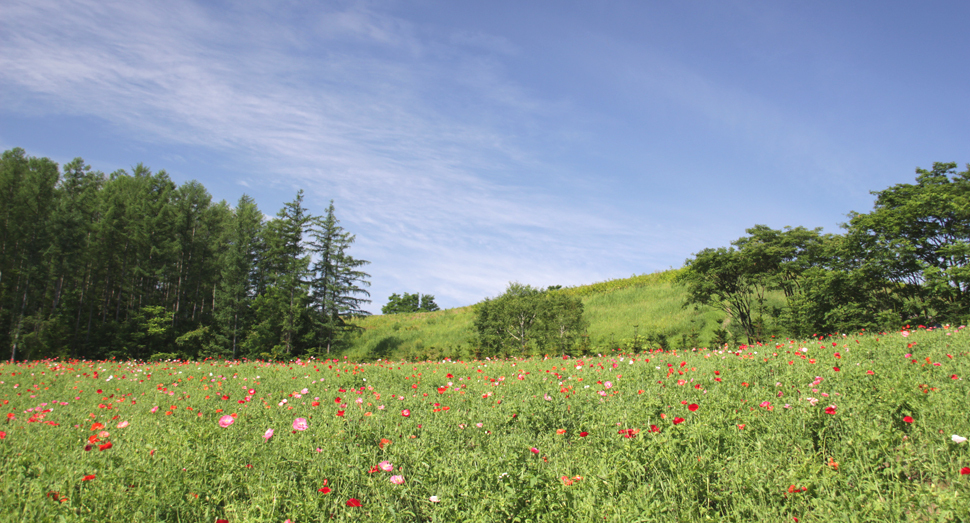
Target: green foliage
column 526, row 320
column 409, row 303
column 129, row 264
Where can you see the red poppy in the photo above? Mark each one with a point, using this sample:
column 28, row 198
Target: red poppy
column 692, row 407
column 678, row 420
column 965, row 471
column 830, row 409
column 325, row 490
column 353, row 502
column 89, row 477
column 340, row 413
column 908, row 419
column 836, row 369
column 106, row 446
column 405, row 413
column 583, row 434
column 654, row 428
column 222, row 521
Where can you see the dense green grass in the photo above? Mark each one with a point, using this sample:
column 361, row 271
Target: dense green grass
column 510, row 440
column 617, row 310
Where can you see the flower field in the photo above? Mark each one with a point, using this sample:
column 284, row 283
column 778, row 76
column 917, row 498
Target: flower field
column 840, row 428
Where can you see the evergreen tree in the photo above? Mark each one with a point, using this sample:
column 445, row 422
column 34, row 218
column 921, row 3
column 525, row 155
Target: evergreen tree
column 338, row 284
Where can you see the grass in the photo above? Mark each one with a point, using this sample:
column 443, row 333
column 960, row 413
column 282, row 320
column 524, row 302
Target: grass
column 854, row 428
column 617, row 311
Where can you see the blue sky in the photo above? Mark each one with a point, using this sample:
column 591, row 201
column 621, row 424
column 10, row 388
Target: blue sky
column 470, row 144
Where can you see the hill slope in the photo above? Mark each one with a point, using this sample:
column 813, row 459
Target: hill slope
column 617, row 310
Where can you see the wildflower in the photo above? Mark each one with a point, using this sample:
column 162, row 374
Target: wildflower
column 958, row 439
column 268, row 434
column 225, row 421
column 830, row 409
column 560, row 431
column 386, row 466
column 122, row 424
column 397, row 480
column 741, row 426
column 965, row 471
column 384, row 441
column 353, row 502
column 106, row 446
column 908, row 419
column 434, row 499
column 566, row 480
column 583, row 434
column 678, row 421
column 89, row 477
column 534, row 450
column 692, row 407
column 300, row 424
column 340, row 413
column 324, row 490
column 406, row 413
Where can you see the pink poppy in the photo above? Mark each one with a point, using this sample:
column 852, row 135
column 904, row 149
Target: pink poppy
column 397, row 480
column 386, row 466
column 405, row 413
column 300, row 424
column 268, row 434
column 225, row 421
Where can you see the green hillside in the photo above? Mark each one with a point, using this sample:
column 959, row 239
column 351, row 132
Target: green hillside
column 618, row 310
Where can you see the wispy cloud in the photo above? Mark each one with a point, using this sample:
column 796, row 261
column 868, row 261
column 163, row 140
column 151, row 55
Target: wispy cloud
column 349, row 103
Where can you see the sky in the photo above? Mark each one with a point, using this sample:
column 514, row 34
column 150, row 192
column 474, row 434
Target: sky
column 472, row 144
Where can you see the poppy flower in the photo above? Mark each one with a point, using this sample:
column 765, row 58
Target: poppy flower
column 106, row 446
column 654, row 428
column 965, row 471
column 353, row 502
column 693, row 407
column 908, row 419
column 325, row 490
column 386, row 466
column 405, row 413
column 830, row 409
column 958, row 439
column 534, row 450
column 583, row 434
column 300, row 424
column 3, row 435
column 678, row 421
column 225, row 421
column 222, row 521
column 89, row 477
column 268, row 434
column 397, row 480
column 340, row 413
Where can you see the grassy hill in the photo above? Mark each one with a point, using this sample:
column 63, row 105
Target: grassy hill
column 617, row 310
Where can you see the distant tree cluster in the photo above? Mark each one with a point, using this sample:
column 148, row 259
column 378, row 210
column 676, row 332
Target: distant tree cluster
column 409, row 303
column 525, row 320
column 906, row 262
column 130, row 265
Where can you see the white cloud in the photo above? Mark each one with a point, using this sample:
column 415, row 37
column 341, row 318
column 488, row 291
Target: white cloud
column 424, row 178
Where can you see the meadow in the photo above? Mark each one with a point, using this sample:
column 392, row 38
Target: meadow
column 860, row 427
column 621, row 312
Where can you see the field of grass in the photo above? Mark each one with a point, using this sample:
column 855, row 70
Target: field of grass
column 617, row 310
column 846, row 428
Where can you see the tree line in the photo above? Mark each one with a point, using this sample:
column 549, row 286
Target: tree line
column 131, row 265
column 905, row 262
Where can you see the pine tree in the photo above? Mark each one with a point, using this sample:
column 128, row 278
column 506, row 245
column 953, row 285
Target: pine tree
column 337, row 283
